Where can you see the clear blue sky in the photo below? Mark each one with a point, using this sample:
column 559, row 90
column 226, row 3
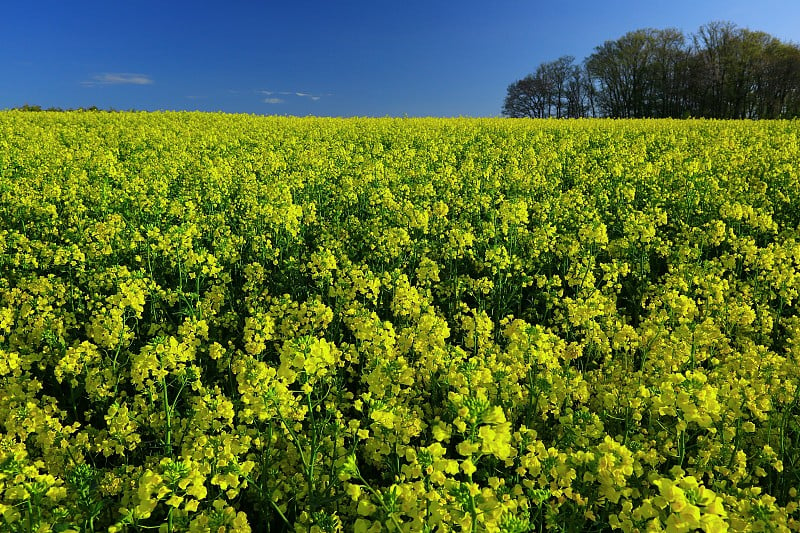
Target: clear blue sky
column 335, row 58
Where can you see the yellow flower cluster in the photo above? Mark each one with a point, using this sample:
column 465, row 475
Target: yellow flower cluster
column 231, row 323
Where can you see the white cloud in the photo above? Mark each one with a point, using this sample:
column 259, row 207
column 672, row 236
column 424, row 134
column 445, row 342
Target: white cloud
column 118, row 78
column 310, row 96
column 273, row 100
column 298, row 94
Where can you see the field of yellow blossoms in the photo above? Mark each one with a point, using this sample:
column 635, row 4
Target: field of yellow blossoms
column 229, row 323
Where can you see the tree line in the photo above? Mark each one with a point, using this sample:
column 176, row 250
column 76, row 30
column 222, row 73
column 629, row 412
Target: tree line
column 721, row 71
column 39, row 109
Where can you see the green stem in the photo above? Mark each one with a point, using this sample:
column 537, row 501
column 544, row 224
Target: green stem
column 378, row 497
column 168, row 414
column 472, row 512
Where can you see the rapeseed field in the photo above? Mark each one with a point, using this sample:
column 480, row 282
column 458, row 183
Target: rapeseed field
column 219, row 323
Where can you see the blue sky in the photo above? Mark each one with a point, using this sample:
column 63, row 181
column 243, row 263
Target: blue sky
column 358, row 58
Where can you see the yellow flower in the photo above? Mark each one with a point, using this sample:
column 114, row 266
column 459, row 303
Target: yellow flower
column 468, row 467
column 467, row 448
column 174, row 501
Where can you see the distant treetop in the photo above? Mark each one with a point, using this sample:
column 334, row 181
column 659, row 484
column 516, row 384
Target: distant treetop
column 721, row 71
column 38, row 108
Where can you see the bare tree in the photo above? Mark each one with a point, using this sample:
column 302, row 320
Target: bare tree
column 526, row 98
column 710, row 80
column 577, row 98
column 556, row 89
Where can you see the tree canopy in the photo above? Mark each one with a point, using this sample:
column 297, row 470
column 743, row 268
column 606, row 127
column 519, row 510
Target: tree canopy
column 722, row 71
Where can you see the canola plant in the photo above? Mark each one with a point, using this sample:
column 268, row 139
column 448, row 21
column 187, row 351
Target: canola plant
column 214, row 322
